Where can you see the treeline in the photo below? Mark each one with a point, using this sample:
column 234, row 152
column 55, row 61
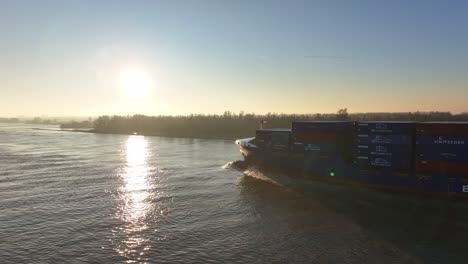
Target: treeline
column 230, row 125
column 64, row 122
column 9, row 120
column 410, row 116
column 78, row 124
column 42, row 121
column 35, row 120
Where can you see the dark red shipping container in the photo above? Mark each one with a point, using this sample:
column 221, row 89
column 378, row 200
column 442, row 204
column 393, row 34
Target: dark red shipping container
column 442, row 128
column 442, row 167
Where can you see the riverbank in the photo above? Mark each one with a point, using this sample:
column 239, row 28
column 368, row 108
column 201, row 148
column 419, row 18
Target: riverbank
column 89, row 130
column 229, row 126
column 163, row 135
column 141, row 134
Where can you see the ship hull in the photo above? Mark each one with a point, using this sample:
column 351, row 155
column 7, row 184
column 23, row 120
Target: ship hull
column 337, row 170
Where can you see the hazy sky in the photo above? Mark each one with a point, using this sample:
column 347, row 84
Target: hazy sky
column 69, row 57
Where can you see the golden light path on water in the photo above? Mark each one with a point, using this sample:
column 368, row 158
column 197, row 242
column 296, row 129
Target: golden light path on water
column 136, row 194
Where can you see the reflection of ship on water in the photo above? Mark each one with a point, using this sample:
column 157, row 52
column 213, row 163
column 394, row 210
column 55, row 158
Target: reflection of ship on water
column 388, row 227
column 425, row 157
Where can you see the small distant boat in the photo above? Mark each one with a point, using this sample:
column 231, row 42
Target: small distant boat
column 423, row 157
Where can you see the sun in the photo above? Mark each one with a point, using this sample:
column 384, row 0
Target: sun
column 135, row 82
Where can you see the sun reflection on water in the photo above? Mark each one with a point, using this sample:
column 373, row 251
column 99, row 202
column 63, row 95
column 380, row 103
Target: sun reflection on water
column 136, row 183
column 135, row 196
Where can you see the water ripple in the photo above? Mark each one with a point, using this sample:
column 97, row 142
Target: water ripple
column 81, row 197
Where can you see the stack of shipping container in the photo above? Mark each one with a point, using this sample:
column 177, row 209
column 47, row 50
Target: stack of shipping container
column 326, row 146
column 428, row 156
column 275, row 143
column 385, row 145
column 442, row 151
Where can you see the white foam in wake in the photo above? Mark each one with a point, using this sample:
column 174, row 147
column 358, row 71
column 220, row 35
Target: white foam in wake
column 259, row 175
column 250, row 171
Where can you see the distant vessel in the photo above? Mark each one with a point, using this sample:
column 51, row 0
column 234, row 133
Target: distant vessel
column 425, row 157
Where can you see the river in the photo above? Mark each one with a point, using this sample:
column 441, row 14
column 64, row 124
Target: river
column 93, row 198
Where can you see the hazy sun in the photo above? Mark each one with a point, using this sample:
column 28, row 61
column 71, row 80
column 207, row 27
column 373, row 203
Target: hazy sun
column 135, row 82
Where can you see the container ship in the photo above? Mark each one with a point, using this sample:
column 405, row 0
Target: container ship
column 422, row 157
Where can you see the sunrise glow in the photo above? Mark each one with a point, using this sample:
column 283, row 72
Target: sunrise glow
column 135, row 82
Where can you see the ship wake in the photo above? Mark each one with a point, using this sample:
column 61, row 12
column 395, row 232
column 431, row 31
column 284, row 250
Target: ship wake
column 253, row 172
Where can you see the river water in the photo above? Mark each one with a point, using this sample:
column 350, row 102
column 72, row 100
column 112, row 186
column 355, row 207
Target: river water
column 91, row 198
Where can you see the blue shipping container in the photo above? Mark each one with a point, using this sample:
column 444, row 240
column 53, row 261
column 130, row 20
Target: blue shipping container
column 315, row 147
column 386, row 127
column 388, row 150
column 384, row 139
column 385, row 162
column 322, row 126
column 397, row 157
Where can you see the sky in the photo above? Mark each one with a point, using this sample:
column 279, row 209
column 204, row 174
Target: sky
column 90, row 58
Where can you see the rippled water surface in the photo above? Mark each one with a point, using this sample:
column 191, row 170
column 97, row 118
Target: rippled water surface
column 80, row 197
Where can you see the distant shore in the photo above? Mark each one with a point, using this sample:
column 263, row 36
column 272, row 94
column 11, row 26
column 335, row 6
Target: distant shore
column 161, row 135
column 130, row 134
column 92, row 130
column 230, row 126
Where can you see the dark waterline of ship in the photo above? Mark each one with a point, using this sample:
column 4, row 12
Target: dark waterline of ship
column 81, row 197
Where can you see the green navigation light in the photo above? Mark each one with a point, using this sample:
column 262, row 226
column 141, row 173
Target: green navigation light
column 332, row 174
